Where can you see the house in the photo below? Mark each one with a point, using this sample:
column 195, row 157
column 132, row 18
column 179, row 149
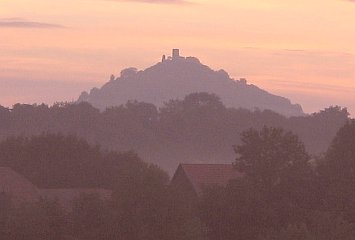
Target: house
column 21, row 190
column 17, row 187
column 191, row 179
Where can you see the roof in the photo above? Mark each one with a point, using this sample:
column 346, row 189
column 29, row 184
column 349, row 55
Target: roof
column 16, row 186
column 19, row 189
column 201, row 175
column 65, row 197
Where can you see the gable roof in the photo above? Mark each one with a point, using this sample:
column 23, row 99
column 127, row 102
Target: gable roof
column 200, row 175
column 16, row 186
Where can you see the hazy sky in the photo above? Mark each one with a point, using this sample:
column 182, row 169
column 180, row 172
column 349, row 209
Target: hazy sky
column 51, row 50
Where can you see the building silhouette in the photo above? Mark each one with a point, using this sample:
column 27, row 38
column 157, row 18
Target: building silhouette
column 176, row 54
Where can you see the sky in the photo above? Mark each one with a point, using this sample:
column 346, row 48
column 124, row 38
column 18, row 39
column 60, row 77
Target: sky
column 51, row 51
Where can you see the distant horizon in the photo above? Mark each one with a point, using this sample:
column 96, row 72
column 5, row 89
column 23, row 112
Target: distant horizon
column 54, row 50
column 77, row 87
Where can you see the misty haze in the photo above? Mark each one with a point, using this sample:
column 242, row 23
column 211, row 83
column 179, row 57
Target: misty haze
column 177, row 120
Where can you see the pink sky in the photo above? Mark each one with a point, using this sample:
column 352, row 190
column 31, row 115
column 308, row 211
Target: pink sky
column 304, row 50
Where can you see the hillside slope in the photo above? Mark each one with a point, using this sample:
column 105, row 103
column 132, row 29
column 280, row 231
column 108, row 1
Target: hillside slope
column 176, row 77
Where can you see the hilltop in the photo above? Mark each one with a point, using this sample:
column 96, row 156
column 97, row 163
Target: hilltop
column 175, row 77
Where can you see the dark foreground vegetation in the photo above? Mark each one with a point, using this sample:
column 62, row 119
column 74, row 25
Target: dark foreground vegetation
column 284, row 194
column 198, row 128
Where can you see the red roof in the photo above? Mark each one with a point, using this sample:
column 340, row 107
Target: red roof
column 17, row 186
column 201, row 175
column 22, row 190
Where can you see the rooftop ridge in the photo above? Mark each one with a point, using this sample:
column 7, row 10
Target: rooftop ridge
column 200, row 164
column 210, row 174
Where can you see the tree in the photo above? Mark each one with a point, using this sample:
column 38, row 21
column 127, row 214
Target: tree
column 28, row 222
column 276, row 194
column 316, row 226
column 89, row 216
column 56, row 218
column 203, row 100
column 139, row 203
column 6, row 207
column 277, row 172
column 340, row 157
column 271, row 156
column 337, row 172
column 238, row 211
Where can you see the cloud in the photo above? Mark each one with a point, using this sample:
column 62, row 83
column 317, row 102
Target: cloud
column 156, row 1
column 23, row 23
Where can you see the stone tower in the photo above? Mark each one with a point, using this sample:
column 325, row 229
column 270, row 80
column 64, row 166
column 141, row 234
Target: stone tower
column 176, row 54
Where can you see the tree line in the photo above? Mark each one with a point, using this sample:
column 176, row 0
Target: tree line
column 142, row 205
column 198, row 128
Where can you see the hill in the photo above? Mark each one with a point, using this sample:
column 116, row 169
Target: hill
column 176, row 77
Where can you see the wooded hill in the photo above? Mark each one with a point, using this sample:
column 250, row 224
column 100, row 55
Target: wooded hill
column 177, row 77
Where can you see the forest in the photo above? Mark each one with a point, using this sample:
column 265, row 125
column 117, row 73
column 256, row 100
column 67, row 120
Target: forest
column 196, row 129
column 287, row 192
